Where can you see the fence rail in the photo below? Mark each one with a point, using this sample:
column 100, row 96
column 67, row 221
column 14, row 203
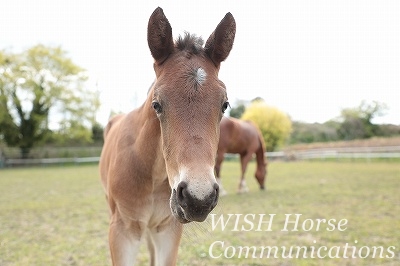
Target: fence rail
column 352, row 155
column 339, row 153
column 48, row 161
column 367, row 153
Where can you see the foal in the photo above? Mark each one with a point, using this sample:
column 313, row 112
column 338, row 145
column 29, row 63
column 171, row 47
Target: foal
column 157, row 163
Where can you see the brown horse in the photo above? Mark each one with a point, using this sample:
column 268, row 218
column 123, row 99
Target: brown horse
column 244, row 138
column 157, row 163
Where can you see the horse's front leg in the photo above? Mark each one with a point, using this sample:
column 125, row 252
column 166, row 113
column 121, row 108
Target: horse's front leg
column 165, row 243
column 124, row 241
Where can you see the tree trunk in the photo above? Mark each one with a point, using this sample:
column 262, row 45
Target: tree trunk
column 24, row 152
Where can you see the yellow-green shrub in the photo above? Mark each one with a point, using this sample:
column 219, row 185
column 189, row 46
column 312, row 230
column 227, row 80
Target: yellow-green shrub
column 274, row 124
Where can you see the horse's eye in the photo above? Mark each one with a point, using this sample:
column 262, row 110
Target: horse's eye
column 225, row 106
column 157, row 107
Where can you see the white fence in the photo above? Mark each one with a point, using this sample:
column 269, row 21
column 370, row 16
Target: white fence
column 366, row 153
column 44, row 161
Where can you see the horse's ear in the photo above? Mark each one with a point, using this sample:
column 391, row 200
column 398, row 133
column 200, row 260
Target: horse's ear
column 220, row 42
column 159, row 36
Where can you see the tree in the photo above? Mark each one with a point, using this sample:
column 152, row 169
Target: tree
column 237, row 111
column 315, row 132
column 356, row 123
column 238, row 108
column 97, row 133
column 274, row 125
column 39, row 84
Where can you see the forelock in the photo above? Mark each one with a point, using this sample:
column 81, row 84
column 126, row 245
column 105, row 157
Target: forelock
column 190, row 43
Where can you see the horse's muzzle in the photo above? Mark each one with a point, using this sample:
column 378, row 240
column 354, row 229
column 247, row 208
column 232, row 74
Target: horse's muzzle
column 188, row 208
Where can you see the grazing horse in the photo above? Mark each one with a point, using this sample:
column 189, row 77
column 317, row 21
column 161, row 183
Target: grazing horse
column 157, row 163
column 244, row 138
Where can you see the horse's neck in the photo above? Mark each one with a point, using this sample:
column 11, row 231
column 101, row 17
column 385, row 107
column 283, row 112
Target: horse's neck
column 146, row 128
column 148, row 142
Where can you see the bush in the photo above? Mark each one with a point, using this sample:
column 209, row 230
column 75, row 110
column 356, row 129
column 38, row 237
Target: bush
column 274, row 124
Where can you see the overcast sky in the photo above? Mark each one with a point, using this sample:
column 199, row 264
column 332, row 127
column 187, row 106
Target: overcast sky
column 308, row 58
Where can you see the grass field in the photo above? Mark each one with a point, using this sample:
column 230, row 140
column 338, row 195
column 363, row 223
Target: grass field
column 58, row 216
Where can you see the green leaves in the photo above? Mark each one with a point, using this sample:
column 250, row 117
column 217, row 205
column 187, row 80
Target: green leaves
column 356, row 123
column 36, row 83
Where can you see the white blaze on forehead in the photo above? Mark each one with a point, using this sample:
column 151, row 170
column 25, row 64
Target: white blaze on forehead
column 200, row 76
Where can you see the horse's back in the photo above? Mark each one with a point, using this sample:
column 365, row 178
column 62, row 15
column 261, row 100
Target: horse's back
column 119, row 138
column 110, row 139
column 125, row 165
column 111, row 123
column 237, row 136
column 250, row 128
column 256, row 132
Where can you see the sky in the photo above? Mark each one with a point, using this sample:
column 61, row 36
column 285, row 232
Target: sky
column 310, row 59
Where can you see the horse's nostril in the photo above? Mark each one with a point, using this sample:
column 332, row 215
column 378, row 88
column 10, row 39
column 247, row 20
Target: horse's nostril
column 195, row 203
column 181, row 191
column 216, row 187
column 216, row 196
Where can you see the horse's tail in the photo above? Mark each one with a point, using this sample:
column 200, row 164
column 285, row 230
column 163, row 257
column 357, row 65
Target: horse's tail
column 260, row 156
column 260, row 152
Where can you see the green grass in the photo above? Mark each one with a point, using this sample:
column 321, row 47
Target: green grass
column 58, row 216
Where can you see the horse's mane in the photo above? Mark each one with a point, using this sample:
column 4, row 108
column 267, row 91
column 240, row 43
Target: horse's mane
column 190, row 43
